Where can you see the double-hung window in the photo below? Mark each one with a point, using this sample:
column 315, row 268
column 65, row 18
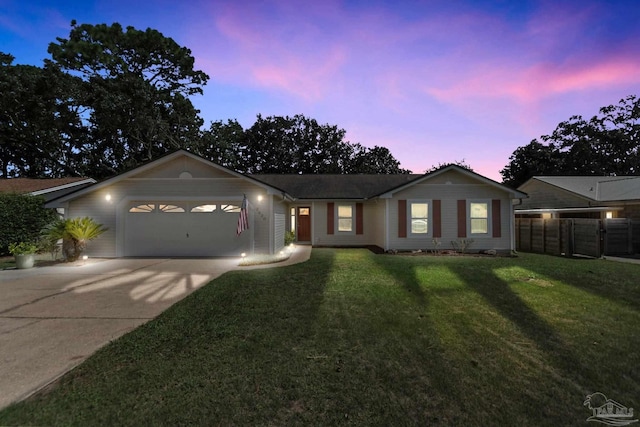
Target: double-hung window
column 345, row 218
column 479, row 217
column 419, row 217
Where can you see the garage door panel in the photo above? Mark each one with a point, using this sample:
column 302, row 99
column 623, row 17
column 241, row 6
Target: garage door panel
column 174, row 233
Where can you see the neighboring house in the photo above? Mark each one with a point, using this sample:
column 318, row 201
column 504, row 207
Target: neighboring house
column 48, row 188
column 184, row 205
column 596, row 197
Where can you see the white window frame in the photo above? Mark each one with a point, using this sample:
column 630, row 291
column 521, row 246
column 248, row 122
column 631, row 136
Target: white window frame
column 429, row 204
column 292, row 219
column 489, row 216
column 337, row 218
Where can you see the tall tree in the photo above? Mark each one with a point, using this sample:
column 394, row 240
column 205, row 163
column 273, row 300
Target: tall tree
column 137, row 89
column 532, row 159
column 221, row 143
column 606, row 144
column 374, row 160
column 295, row 144
column 40, row 122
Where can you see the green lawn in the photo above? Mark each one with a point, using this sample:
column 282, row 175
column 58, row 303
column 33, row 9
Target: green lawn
column 7, row 262
column 354, row 338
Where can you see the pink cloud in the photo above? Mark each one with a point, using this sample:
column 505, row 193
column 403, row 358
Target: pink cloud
column 539, row 81
column 274, row 49
column 453, row 78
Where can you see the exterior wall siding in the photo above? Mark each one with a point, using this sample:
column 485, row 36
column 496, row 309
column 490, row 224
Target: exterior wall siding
column 195, row 168
column 631, row 212
column 95, row 206
column 280, row 225
column 379, row 219
column 371, row 228
column 449, row 194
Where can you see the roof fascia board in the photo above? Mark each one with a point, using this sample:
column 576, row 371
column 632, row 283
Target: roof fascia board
column 561, row 210
column 64, row 186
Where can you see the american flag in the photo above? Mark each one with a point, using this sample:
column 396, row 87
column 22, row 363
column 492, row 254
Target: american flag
column 243, row 219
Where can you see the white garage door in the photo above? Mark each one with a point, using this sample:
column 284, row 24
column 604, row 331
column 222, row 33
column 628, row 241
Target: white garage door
column 156, row 228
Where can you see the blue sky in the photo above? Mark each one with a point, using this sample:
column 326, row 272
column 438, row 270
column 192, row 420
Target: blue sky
column 433, row 81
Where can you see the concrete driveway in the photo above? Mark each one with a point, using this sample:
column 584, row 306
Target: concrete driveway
column 52, row 318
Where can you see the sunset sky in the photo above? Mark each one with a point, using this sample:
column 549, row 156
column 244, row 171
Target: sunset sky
column 433, row 81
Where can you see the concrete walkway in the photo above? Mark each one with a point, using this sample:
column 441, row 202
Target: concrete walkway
column 622, row 259
column 52, row 318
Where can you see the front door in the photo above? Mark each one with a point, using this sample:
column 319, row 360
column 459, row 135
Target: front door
column 304, row 224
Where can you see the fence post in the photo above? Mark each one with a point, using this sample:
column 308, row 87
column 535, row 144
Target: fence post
column 629, row 236
column 570, row 238
column 601, row 236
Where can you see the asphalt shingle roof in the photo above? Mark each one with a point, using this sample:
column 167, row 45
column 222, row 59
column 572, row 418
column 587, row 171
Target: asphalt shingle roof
column 29, row 185
column 335, row 186
column 599, row 188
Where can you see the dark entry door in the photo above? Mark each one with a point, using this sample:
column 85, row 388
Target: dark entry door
column 304, row 224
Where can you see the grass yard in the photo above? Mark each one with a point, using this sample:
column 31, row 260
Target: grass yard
column 353, row 338
column 7, row 262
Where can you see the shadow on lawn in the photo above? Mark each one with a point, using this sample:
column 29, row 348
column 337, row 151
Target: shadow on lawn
column 595, row 276
column 478, row 276
column 444, row 378
column 499, row 295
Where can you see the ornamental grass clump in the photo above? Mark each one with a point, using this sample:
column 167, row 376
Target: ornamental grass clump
column 75, row 234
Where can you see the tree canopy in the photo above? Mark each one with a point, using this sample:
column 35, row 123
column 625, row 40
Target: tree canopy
column 292, row 145
column 40, row 125
column 136, row 85
column 606, row 144
column 111, row 98
column 460, row 163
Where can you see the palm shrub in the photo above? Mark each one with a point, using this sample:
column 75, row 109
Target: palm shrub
column 75, row 234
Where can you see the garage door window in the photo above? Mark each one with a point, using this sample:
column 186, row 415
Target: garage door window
column 170, row 208
column 144, row 208
column 230, row 208
column 203, row 208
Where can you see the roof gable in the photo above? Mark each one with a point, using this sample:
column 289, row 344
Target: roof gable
column 184, row 167
column 454, row 174
column 163, row 168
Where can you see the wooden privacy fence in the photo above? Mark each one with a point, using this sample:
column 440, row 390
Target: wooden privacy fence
column 590, row 237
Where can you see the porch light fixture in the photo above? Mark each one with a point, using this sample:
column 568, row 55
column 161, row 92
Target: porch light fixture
column 609, row 215
column 260, row 197
column 107, row 197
